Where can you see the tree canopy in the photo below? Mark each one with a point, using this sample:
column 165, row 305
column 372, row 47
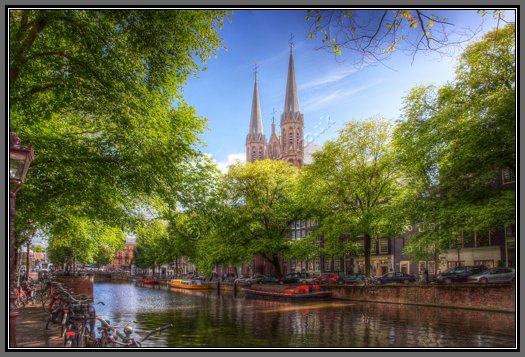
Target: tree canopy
column 455, row 141
column 98, row 93
column 355, row 183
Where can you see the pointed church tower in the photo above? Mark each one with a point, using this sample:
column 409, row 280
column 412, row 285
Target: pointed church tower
column 292, row 122
column 255, row 140
column 274, row 146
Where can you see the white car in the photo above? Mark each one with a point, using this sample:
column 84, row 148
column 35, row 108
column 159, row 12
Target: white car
column 494, row 275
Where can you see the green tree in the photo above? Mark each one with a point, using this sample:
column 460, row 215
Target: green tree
column 356, row 185
column 99, row 95
column 259, row 203
column 455, row 140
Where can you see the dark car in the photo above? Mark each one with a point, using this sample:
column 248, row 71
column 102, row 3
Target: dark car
column 459, row 274
column 267, row 279
column 396, row 277
column 351, row 279
column 293, row 278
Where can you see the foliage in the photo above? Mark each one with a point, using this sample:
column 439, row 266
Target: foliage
column 372, row 36
column 455, row 141
column 98, row 93
column 355, row 182
column 256, row 204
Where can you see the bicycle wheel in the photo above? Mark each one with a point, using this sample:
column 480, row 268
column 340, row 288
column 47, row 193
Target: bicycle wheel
column 70, row 341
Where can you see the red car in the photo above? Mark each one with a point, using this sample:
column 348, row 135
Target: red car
column 328, row 278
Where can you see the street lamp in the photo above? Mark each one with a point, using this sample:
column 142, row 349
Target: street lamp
column 458, row 247
column 19, row 160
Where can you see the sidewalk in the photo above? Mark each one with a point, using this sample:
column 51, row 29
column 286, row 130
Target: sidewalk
column 30, row 329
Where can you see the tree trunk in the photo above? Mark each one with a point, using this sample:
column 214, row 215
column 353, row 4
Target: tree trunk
column 367, row 244
column 277, row 265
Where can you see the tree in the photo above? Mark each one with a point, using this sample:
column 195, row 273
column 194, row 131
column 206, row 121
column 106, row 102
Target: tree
column 259, row 203
column 355, row 180
column 372, row 36
column 455, row 140
column 99, row 95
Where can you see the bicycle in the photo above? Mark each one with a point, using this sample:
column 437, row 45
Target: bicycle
column 111, row 334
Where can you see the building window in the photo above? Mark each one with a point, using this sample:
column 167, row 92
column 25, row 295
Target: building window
column 327, row 264
column 431, row 267
column 482, row 239
column 337, row 264
column 422, row 266
column 487, row 263
column 468, row 240
column 373, row 249
column 291, row 137
column 260, row 154
column 404, row 267
column 317, row 264
column 360, row 247
column 297, row 137
column 383, row 246
column 508, row 176
column 509, row 231
column 254, row 155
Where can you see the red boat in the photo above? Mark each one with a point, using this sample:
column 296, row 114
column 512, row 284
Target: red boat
column 301, row 292
column 150, row 281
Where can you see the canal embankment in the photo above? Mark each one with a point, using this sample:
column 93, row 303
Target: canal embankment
column 491, row 297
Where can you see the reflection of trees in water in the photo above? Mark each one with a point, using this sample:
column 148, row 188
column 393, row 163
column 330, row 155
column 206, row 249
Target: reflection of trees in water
column 212, row 320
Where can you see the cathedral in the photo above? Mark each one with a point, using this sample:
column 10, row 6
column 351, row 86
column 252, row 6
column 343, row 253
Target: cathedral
column 288, row 146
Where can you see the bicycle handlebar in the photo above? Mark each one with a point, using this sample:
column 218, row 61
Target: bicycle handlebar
column 159, row 329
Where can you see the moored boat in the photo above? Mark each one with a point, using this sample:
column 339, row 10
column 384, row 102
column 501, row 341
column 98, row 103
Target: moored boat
column 301, row 292
column 150, row 281
column 188, row 284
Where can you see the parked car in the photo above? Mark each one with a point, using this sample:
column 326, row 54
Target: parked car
column 294, row 278
column 396, row 277
column 243, row 279
column 494, row 275
column 254, row 279
column 328, row 278
column 459, row 274
column 352, row 279
column 266, row 279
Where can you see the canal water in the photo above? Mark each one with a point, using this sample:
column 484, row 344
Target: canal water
column 209, row 319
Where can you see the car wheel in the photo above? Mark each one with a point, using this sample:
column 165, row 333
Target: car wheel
column 448, row 281
column 483, row 280
column 340, row 282
column 281, row 282
column 406, row 281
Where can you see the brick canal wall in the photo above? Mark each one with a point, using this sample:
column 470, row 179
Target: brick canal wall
column 482, row 297
column 81, row 285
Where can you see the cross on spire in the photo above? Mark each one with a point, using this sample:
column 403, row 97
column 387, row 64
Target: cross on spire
column 255, row 67
column 273, row 115
column 290, row 41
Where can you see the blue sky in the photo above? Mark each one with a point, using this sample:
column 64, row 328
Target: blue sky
column 331, row 91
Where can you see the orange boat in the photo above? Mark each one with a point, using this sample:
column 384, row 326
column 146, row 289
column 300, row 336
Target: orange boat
column 301, row 292
column 150, row 281
column 188, row 284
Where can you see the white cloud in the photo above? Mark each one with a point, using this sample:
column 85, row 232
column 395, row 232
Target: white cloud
column 324, row 99
column 330, row 77
column 230, row 160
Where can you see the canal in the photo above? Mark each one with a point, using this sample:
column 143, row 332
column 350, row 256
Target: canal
column 209, row 319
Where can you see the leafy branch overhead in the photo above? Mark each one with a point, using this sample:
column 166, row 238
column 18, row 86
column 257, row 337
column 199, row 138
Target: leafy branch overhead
column 372, row 36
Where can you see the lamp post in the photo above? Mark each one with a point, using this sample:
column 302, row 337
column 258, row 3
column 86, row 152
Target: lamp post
column 458, row 247
column 19, row 160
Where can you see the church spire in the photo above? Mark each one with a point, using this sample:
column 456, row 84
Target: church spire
column 256, row 126
column 291, row 101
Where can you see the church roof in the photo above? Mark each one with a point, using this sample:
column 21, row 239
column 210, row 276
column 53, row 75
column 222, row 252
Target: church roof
column 256, row 126
column 291, row 101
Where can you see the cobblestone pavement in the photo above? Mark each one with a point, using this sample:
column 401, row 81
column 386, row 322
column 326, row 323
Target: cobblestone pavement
column 30, row 329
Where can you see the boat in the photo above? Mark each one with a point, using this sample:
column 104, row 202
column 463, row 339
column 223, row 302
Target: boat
column 188, row 284
column 150, row 281
column 301, row 292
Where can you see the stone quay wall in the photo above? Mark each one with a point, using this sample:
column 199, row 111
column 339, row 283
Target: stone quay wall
column 81, row 285
column 481, row 297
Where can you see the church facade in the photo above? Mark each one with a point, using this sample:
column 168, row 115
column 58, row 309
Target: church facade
column 288, row 145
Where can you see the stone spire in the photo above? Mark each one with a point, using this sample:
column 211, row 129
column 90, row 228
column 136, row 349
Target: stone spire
column 291, row 101
column 256, row 126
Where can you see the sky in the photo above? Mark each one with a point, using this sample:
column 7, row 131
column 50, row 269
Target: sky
column 331, row 89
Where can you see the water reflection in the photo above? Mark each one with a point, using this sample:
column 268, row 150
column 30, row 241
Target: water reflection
column 208, row 319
